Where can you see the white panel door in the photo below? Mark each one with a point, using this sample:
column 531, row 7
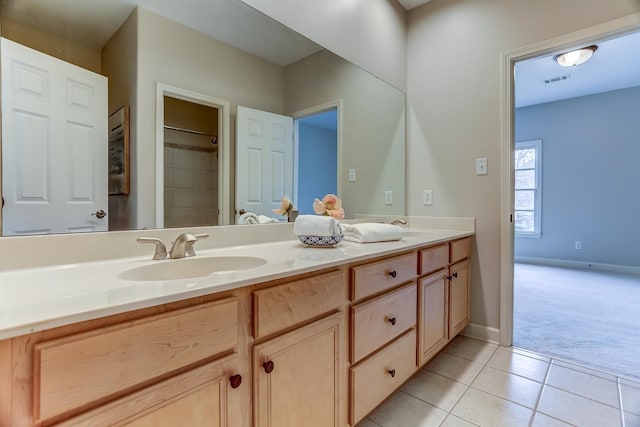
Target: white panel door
column 264, row 160
column 54, row 144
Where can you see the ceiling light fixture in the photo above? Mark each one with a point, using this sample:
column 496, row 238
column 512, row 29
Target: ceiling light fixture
column 575, row 57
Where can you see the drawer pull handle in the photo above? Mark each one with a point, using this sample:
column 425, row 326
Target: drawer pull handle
column 235, row 380
column 392, row 372
column 392, row 320
column 393, row 273
column 268, row 366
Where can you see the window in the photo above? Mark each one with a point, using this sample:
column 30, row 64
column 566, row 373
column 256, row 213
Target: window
column 528, row 188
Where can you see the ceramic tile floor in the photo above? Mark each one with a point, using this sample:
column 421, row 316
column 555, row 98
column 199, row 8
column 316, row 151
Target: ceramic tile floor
column 475, row 383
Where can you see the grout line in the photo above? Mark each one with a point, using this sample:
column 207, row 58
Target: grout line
column 544, row 384
column 620, row 402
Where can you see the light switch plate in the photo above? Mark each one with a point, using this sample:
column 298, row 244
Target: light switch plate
column 481, row 166
column 352, row 175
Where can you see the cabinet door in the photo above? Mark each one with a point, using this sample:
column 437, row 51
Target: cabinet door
column 433, row 311
column 202, row 396
column 298, row 377
column 459, row 297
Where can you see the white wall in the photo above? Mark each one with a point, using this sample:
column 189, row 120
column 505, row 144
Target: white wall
column 590, row 174
column 369, row 33
column 454, row 50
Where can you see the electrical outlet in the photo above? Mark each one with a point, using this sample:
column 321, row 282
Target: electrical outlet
column 352, row 175
column 427, row 197
column 578, row 245
column 388, row 197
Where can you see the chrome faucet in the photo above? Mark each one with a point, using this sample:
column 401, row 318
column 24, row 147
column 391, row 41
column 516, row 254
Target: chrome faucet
column 183, row 245
column 395, row 222
column 161, row 249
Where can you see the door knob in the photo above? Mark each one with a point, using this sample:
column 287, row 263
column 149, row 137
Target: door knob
column 100, row 214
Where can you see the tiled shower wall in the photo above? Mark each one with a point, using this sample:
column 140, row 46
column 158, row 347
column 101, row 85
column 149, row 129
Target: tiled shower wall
column 190, row 186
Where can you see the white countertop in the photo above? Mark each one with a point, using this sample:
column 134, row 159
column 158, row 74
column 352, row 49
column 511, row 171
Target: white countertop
column 33, row 299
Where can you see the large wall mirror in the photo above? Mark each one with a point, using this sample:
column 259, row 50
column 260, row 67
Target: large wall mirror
column 181, row 70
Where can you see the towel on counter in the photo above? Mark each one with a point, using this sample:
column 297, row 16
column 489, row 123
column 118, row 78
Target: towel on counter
column 369, row 232
column 316, row 225
column 253, row 218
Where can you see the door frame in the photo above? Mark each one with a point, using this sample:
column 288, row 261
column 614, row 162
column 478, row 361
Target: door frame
column 310, row 111
column 224, row 147
column 584, row 37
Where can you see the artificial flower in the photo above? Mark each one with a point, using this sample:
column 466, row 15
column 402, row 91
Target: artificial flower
column 330, row 205
column 285, row 206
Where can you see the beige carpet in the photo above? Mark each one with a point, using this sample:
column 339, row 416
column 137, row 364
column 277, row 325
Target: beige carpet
column 581, row 315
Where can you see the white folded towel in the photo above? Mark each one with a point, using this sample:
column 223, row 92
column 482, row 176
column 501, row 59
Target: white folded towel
column 369, row 232
column 316, row 225
column 253, row 218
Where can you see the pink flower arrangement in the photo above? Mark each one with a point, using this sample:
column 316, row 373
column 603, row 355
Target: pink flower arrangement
column 330, row 205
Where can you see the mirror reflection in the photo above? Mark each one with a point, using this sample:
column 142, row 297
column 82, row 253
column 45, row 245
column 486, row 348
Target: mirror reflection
column 183, row 74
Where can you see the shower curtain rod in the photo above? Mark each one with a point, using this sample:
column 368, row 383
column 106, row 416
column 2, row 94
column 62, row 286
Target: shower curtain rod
column 197, row 132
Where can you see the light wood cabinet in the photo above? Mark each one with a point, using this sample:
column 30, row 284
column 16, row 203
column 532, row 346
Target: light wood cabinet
column 298, row 376
column 316, row 350
column 444, row 296
column 79, row 369
column 378, row 376
column 200, row 397
column 378, row 321
column 433, row 314
column 459, row 297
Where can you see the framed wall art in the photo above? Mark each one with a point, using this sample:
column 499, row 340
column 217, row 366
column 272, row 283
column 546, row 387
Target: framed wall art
column 119, row 176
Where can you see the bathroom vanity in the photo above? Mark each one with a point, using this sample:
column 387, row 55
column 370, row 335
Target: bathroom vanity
column 313, row 337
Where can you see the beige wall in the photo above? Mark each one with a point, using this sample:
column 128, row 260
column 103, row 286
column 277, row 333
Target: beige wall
column 74, row 53
column 454, row 50
column 119, row 64
column 178, row 56
column 373, row 128
column 369, row 33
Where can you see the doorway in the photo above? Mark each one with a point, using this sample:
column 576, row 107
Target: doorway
column 204, row 141
column 190, row 164
column 586, row 37
column 316, row 157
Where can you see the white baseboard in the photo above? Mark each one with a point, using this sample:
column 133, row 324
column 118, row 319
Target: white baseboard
column 578, row 264
column 480, row 332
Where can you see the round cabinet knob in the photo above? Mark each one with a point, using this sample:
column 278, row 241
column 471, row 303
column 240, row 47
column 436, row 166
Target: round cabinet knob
column 392, row 320
column 268, row 366
column 99, row 214
column 392, row 372
column 235, row 380
column 393, row 273
column 455, row 274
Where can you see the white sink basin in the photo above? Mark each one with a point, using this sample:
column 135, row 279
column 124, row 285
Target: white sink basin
column 189, row 268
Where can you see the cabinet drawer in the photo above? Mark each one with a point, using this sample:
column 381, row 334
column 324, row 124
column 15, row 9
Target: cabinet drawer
column 285, row 305
column 460, row 249
column 372, row 382
column 74, row 371
column 378, row 321
column 381, row 275
column 433, row 259
column 199, row 397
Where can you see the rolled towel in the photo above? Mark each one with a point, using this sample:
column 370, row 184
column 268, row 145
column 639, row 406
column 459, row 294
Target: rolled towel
column 369, row 232
column 248, row 218
column 316, row 225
